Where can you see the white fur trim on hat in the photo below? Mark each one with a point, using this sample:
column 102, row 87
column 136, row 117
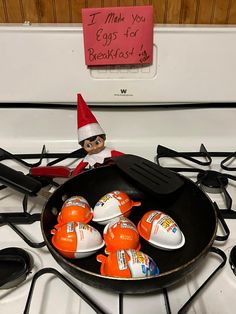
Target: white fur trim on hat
column 89, row 130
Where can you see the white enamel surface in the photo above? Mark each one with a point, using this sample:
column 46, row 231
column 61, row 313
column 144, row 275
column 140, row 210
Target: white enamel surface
column 191, row 64
column 141, row 128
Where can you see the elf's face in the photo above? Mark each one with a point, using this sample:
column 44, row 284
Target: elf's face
column 94, row 147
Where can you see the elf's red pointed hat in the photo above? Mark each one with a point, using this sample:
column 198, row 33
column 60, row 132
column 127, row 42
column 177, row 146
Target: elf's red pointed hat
column 87, row 123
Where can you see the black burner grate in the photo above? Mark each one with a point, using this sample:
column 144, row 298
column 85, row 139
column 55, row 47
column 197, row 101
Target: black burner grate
column 209, row 181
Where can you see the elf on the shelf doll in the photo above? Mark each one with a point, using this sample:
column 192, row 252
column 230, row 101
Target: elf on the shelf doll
column 91, row 137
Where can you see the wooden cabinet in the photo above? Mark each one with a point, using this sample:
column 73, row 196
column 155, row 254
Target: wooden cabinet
column 165, row 11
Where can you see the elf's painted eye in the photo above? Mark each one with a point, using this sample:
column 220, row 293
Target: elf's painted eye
column 97, row 142
column 89, row 145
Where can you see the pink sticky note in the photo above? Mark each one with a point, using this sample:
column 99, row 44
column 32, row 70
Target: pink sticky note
column 118, row 35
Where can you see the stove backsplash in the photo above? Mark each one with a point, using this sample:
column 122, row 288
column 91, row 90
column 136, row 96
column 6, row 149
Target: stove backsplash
column 45, row 64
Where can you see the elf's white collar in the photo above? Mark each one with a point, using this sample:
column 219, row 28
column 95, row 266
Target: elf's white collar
column 98, row 158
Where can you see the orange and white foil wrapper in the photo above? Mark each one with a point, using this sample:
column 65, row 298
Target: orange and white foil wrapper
column 121, row 234
column 127, row 264
column 75, row 210
column 76, row 240
column 113, row 204
column 161, row 230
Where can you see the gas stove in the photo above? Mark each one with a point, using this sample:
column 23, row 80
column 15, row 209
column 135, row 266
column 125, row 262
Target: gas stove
column 188, row 101
column 49, row 286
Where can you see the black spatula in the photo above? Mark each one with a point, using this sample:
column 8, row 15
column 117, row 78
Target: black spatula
column 150, row 176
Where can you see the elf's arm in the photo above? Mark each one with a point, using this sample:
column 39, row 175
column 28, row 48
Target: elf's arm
column 79, row 168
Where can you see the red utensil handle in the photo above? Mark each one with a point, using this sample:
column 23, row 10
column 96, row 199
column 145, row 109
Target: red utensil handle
column 51, row 171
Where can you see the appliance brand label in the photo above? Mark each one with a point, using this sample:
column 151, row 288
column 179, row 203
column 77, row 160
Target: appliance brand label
column 123, row 92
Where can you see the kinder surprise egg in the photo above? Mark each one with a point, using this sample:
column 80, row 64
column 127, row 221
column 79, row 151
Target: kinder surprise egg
column 119, row 234
column 112, row 205
column 76, row 198
column 161, row 231
column 127, row 264
column 75, row 208
column 76, row 240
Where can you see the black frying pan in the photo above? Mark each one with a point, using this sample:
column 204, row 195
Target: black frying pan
column 188, row 206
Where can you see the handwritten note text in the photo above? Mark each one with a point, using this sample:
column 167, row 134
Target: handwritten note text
column 118, row 35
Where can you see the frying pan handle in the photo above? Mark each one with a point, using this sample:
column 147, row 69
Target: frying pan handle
column 223, row 224
column 19, row 181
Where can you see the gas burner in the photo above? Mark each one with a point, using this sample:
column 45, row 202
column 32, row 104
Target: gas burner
column 212, row 181
column 20, row 290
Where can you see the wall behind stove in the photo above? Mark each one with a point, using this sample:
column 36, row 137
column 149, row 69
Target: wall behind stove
column 165, row 11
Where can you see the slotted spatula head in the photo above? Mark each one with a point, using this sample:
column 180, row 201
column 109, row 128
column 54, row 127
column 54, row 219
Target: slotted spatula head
column 150, row 176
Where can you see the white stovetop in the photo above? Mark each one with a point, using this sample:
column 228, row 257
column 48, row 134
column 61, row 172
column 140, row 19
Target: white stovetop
column 181, row 129
column 51, row 293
